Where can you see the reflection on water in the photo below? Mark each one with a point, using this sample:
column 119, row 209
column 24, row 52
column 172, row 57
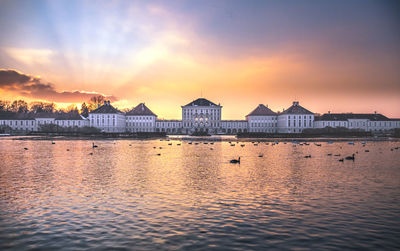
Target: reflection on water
column 134, row 195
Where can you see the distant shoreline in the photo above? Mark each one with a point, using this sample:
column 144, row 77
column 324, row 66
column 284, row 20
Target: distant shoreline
column 215, row 138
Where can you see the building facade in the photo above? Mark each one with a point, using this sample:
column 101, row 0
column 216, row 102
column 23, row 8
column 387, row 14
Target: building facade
column 370, row 122
column 140, row 119
column 108, row 119
column 262, row 119
column 33, row 122
column 200, row 115
column 295, row 119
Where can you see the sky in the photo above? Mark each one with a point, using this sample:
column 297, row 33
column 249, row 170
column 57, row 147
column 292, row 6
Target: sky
column 338, row 56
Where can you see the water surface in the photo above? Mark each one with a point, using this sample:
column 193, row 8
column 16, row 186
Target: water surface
column 124, row 195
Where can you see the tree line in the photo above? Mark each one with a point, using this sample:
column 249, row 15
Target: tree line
column 21, row 106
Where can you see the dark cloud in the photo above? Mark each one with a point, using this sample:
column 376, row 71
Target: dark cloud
column 33, row 87
column 11, row 77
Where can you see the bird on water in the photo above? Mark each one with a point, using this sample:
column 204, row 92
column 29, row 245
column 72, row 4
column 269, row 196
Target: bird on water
column 350, row 157
column 235, row 161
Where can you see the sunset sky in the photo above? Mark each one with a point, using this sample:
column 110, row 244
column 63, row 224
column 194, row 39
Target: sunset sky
column 340, row 56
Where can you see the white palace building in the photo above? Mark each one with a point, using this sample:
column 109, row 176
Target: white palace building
column 204, row 116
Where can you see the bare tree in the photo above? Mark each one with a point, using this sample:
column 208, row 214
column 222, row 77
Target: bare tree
column 19, row 106
column 84, row 110
column 95, row 101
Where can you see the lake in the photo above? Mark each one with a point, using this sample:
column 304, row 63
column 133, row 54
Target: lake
column 168, row 195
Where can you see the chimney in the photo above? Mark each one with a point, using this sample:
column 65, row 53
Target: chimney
column 329, row 112
column 105, row 102
column 98, row 105
column 375, row 112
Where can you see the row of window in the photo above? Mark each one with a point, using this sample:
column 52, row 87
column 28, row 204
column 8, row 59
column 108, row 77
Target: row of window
column 263, row 119
column 263, row 124
column 359, row 124
column 300, row 117
column 139, row 118
column 168, row 124
column 102, row 122
column 32, row 122
column 299, row 124
column 200, row 111
column 140, row 124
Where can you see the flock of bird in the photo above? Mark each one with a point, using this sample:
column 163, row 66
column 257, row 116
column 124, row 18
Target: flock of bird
column 237, row 161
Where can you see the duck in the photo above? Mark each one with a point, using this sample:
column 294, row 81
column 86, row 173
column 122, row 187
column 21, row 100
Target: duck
column 329, row 154
column 93, row 145
column 350, row 157
column 337, row 155
column 158, row 154
column 242, row 145
column 307, row 156
column 367, row 151
column 90, row 153
column 235, row 161
column 261, row 155
column 53, row 143
column 67, row 150
column 341, row 160
column 25, row 148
